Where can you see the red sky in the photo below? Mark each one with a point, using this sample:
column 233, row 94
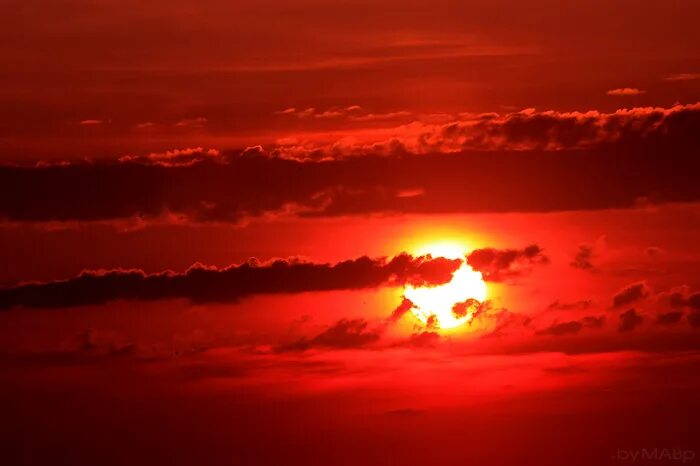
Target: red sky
column 210, row 211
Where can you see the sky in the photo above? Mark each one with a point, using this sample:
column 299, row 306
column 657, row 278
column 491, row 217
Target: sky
column 350, row 232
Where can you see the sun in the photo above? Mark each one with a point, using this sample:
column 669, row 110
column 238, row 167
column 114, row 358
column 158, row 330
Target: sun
column 451, row 304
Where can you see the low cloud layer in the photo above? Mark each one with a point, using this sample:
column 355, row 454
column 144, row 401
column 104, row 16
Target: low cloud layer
column 209, row 284
column 550, row 162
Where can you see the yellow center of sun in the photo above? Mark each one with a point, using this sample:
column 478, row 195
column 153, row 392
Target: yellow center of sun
column 435, row 305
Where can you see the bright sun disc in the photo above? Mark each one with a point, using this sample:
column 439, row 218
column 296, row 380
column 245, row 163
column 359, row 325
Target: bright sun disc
column 436, row 303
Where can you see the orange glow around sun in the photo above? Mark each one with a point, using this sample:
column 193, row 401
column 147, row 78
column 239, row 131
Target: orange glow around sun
column 435, row 305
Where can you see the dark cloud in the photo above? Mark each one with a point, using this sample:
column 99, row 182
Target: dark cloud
column 211, row 284
column 668, row 318
column 471, row 305
column 405, row 306
column 505, row 320
column 551, row 130
column 630, row 294
column 563, row 328
column 425, row 339
column 582, row 259
column 573, row 327
column 501, row 264
column 680, row 296
column 694, row 300
column 344, row 334
column 676, row 297
column 629, row 320
column 86, row 348
column 593, row 321
column 645, row 154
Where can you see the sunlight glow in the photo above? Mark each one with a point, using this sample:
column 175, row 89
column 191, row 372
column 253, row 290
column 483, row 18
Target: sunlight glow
column 435, row 305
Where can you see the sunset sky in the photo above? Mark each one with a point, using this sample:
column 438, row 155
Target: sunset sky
column 349, row 232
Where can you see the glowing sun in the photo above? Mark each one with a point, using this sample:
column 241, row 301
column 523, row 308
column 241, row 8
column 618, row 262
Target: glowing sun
column 453, row 303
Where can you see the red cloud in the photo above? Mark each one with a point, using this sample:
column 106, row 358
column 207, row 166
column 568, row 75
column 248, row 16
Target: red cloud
column 625, row 91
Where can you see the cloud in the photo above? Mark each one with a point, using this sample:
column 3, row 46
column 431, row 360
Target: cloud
column 311, row 112
column 505, row 320
column 625, row 91
column 563, row 328
column 91, row 122
column 527, row 129
column 682, row 77
column 582, row 259
column 344, row 334
column 469, row 307
column 501, row 264
column 593, row 321
column 202, row 284
column 573, row 327
column 174, row 158
column 694, row 300
column 629, row 320
column 630, row 294
column 405, row 306
column 602, row 161
column 350, row 113
column 668, row 318
column 569, row 306
column 425, row 339
column 198, row 122
column 680, row 296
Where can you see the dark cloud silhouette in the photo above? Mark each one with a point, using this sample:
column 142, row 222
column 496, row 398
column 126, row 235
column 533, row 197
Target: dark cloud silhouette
column 563, row 328
column 582, row 259
column 645, row 154
column 573, row 326
column 211, row 284
column 425, row 339
column 669, row 318
column 471, row 305
column 680, row 296
column 694, row 300
column 405, row 306
column 551, row 130
column 677, row 296
column 501, row 264
column 629, row 320
column 630, row 294
column 593, row 321
column 344, row 334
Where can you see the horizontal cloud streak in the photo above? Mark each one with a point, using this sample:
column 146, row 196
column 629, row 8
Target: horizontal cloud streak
column 209, row 284
column 644, row 155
